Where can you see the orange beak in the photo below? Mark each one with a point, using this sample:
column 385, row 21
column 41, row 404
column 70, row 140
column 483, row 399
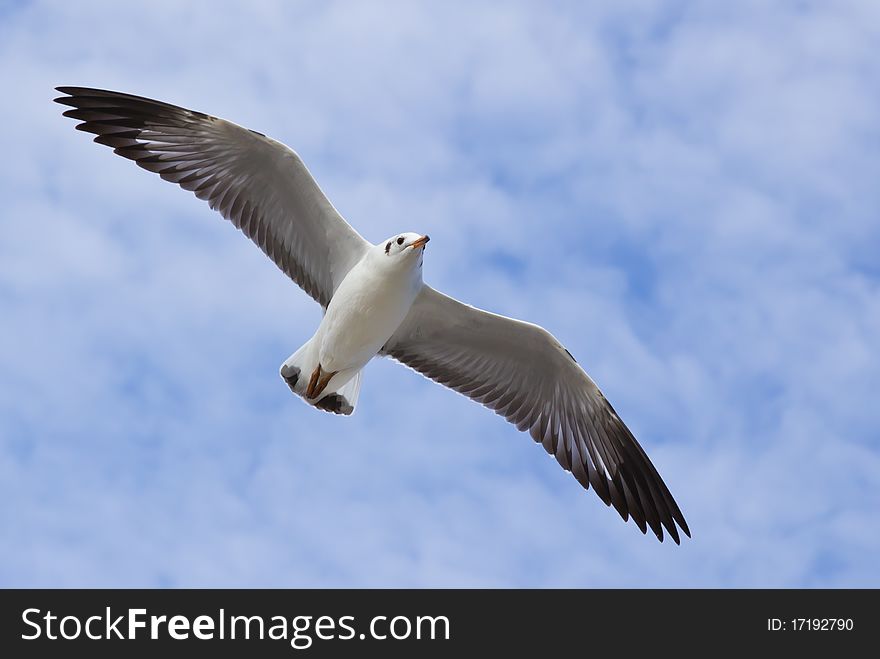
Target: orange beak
column 420, row 242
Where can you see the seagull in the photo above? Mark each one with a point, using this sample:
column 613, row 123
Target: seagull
column 375, row 302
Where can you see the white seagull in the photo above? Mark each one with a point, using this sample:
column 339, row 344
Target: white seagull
column 375, row 302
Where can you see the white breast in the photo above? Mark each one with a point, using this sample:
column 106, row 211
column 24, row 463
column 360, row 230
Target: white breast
column 365, row 311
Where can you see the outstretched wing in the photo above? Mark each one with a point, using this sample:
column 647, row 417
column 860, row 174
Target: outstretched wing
column 258, row 184
column 523, row 373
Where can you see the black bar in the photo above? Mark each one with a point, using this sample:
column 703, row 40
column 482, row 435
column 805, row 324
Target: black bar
column 518, row 622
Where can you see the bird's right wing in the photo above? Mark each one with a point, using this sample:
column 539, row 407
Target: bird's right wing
column 523, row 373
column 258, row 184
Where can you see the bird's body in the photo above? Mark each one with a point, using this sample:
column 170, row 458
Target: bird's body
column 375, row 302
column 366, row 309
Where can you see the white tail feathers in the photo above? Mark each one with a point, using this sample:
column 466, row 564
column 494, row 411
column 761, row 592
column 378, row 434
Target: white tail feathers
column 342, row 391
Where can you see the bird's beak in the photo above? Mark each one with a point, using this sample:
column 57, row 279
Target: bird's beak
column 420, row 242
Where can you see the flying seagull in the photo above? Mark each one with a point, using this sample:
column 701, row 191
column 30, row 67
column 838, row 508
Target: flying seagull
column 375, row 302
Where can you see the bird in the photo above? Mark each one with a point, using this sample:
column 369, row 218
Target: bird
column 376, row 303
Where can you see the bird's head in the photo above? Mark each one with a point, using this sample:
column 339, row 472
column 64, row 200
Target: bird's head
column 404, row 246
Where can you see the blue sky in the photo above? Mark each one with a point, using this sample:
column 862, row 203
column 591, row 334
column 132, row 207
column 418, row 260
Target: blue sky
column 684, row 193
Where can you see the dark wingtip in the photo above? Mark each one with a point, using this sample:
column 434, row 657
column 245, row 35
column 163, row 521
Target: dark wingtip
column 64, row 100
column 673, row 532
column 73, row 91
column 68, row 90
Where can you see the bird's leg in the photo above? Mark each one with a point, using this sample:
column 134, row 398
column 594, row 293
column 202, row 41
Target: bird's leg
column 313, row 380
column 318, row 382
column 322, row 384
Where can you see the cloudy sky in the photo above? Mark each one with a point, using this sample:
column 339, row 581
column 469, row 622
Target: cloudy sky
column 684, row 193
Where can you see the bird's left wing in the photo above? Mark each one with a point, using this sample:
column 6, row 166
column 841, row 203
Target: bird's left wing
column 258, row 184
column 523, row 373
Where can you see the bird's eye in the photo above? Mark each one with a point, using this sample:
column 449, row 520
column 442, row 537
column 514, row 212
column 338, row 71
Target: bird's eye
column 400, row 241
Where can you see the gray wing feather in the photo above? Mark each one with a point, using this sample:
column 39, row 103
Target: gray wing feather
column 258, row 184
column 523, row 373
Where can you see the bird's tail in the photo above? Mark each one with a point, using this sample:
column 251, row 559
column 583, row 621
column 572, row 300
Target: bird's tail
column 340, row 393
